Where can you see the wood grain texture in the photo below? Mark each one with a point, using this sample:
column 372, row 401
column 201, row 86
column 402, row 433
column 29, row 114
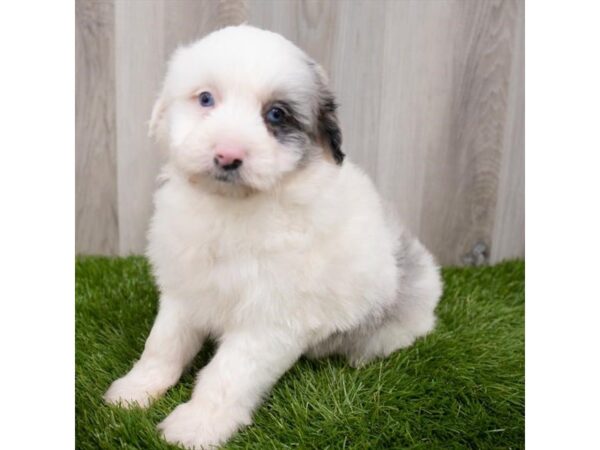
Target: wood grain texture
column 431, row 96
column 414, row 107
column 140, row 63
column 189, row 20
column 462, row 172
column 508, row 239
column 95, row 170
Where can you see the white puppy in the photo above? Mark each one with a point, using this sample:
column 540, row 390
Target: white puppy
column 264, row 237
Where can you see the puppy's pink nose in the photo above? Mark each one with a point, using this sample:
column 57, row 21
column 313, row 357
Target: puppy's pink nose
column 229, row 157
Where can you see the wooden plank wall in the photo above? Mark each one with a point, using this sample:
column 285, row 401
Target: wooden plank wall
column 97, row 224
column 431, row 94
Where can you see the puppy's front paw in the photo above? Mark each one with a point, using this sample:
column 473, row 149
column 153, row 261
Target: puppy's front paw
column 129, row 392
column 199, row 426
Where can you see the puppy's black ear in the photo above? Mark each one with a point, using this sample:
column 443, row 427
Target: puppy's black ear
column 328, row 126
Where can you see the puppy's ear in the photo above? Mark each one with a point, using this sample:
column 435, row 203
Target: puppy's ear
column 157, row 128
column 328, row 126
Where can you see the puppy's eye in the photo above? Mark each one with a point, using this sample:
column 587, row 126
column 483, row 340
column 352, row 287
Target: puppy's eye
column 275, row 115
column 206, row 99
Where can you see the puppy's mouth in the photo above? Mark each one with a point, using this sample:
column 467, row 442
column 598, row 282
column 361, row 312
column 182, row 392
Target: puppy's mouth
column 230, row 177
column 225, row 183
column 222, row 182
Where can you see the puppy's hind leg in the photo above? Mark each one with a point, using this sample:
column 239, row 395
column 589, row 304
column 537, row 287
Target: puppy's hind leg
column 385, row 340
column 172, row 344
column 411, row 315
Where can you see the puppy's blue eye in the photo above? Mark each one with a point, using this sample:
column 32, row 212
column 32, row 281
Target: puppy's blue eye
column 275, row 115
column 206, row 99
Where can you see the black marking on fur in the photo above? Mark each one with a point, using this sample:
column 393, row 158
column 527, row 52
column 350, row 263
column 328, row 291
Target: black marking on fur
column 329, row 128
column 293, row 130
column 292, row 119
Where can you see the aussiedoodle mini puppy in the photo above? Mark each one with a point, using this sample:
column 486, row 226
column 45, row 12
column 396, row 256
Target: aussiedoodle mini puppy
column 264, row 237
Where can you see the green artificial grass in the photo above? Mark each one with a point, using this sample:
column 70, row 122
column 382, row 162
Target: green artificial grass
column 460, row 387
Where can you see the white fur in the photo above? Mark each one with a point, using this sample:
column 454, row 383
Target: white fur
column 295, row 258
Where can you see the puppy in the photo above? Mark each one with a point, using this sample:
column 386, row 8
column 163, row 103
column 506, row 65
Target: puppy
column 264, row 237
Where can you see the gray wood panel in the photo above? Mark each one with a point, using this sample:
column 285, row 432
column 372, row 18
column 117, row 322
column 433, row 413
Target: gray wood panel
column 416, row 86
column 140, row 61
column 461, row 181
column 431, row 96
column 508, row 240
column 189, row 20
column 95, row 167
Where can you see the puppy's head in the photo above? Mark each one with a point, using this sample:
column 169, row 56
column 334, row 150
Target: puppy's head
column 243, row 108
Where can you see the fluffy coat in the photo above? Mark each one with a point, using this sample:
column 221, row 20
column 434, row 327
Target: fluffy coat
column 291, row 253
